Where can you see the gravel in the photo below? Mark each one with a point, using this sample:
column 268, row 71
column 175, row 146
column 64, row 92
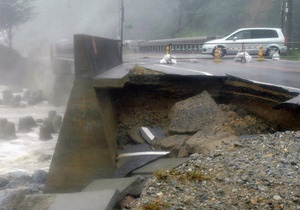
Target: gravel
column 253, row 172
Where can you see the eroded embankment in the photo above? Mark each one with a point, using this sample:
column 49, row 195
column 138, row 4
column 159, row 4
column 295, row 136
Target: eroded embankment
column 149, row 97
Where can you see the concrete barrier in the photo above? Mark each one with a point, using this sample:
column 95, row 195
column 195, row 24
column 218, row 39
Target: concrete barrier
column 86, row 146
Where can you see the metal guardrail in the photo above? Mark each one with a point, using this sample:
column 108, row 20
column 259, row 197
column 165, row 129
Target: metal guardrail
column 65, row 51
column 195, row 44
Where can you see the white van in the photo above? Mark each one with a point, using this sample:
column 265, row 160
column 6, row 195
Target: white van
column 271, row 40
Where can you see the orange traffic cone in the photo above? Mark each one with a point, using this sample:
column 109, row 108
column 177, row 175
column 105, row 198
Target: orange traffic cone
column 260, row 54
column 217, row 55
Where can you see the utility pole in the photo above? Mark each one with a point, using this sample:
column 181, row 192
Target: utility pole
column 282, row 15
column 121, row 27
column 288, row 20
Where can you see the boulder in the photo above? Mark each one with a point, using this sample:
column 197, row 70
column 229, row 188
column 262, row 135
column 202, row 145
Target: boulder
column 17, row 185
column 7, row 97
column 173, row 144
column 206, row 140
column 51, row 114
column 16, row 101
column 45, row 133
column 3, row 122
column 135, row 135
column 57, row 123
column 18, row 179
column 11, row 198
column 36, row 97
column 4, row 180
column 39, row 176
column 195, row 114
column 26, row 124
column 48, row 124
column 26, row 95
column 9, row 131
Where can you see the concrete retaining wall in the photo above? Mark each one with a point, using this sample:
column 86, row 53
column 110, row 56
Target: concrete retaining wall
column 86, row 147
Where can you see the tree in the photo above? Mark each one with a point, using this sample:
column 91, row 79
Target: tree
column 14, row 13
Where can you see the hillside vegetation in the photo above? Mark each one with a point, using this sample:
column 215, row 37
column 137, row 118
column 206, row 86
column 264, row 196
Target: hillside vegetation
column 146, row 20
column 186, row 18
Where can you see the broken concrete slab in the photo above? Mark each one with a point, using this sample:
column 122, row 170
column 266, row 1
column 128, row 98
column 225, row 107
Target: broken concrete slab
column 161, row 164
column 149, row 134
column 134, row 157
column 123, row 185
column 105, row 199
column 292, row 103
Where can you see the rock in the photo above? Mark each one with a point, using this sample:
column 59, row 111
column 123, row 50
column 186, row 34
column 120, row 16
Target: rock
column 48, row 124
column 4, row 180
column 51, row 114
column 37, row 202
column 18, row 179
column 232, row 177
column 3, row 122
column 11, row 198
column 36, row 98
column 9, row 131
column 57, row 122
column 26, row 95
column 183, row 153
column 7, row 97
column 173, row 144
column 171, row 141
column 125, row 203
column 135, row 135
column 195, row 114
column 123, row 140
column 277, row 197
column 204, row 141
column 26, row 124
column 45, row 133
column 16, row 101
column 39, row 176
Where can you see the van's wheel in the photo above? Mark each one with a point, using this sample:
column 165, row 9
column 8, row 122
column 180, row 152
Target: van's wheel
column 271, row 50
column 222, row 51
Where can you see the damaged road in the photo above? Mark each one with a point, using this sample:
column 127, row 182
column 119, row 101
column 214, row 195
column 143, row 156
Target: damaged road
column 111, row 101
column 196, row 113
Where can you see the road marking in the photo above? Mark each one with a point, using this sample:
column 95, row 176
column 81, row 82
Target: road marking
column 191, row 70
column 266, row 67
column 282, row 86
column 143, row 153
column 148, row 133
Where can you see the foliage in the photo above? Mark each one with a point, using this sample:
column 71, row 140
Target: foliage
column 190, row 18
column 156, row 205
column 14, row 13
column 194, row 175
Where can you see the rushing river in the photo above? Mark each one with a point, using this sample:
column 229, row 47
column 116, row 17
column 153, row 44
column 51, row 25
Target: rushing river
column 27, row 153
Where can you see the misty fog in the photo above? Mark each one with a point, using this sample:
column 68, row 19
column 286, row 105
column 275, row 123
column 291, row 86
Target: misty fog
column 145, row 19
column 59, row 19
